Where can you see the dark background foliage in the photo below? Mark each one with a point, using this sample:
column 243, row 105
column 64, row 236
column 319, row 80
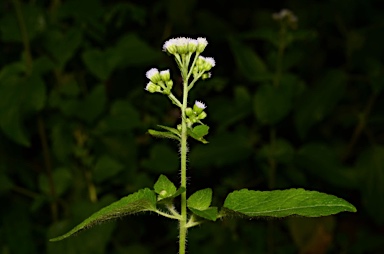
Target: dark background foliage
column 287, row 108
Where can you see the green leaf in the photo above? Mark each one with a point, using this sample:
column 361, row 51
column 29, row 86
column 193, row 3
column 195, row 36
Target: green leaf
column 164, row 187
column 200, row 200
column 173, row 130
column 163, row 134
column 140, row 201
column 198, row 132
column 210, row 213
column 282, row 203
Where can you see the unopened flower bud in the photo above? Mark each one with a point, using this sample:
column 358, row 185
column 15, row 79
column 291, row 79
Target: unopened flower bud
column 152, row 88
column 169, row 84
column 202, row 115
column 188, row 112
column 206, row 75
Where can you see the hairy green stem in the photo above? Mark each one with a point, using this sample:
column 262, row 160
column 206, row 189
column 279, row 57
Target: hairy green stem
column 183, row 150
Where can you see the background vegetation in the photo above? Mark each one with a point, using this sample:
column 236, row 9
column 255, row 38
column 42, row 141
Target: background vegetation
column 288, row 107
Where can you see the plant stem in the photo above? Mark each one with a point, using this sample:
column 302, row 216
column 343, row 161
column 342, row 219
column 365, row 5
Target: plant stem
column 183, row 149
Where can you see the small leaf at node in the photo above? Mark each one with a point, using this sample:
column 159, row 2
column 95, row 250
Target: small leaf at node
column 210, row 213
column 164, row 187
column 282, row 203
column 199, row 133
column 200, row 200
column 201, row 130
column 140, row 201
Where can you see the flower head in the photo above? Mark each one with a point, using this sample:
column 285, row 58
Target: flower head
column 153, row 75
column 185, row 45
column 152, row 88
column 201, row 44
column 199, row 107
column 200, row 104
column 165, row 75
column 205, row 63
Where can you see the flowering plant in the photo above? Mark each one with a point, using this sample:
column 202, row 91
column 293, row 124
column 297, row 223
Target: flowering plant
column 196, row 208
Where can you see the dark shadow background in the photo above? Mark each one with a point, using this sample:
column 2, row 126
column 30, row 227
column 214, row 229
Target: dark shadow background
column 289, row 105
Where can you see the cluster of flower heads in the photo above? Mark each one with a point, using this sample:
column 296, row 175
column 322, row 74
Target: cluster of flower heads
column 159, row 81
column 183, row 45
column 182, row 48
column 196, row 113
column 286, row 15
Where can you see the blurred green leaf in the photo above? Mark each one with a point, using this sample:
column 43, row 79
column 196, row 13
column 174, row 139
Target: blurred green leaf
column 281, row 150
column 123, row 117
column 62, row 180
column 62, row 46
column 317, row 103
column 282, row 203
column 223, row 149
column 33, row 18
column 162, row 159
column 93, row 104
column 106, row 167
column 100, row 63
column 29, row 95
column 272, row 103
column 322, row 162
column 249, row 63
column 17, row 227
column 371, row 168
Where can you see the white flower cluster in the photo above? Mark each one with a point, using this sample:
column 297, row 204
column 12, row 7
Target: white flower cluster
column 286, row 15
column 159, row 81
column 185, row 45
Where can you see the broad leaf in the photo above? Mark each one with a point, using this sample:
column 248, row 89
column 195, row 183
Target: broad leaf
column 140, row 201
column 200, row 199
column 282, row 203
column 164, row 187
column 210, row 213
